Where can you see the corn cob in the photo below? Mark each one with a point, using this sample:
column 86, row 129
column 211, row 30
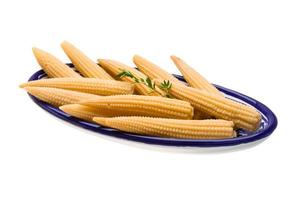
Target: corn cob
column 87, row 85
column 83, row 64
column 138, row 105
column 58, row 97
column 52, row 66
column 156, row 72
column 175, row 128
column 152, row 70
column 193, row 77
column 83, row 112
column 242, row 115
column 114, row 68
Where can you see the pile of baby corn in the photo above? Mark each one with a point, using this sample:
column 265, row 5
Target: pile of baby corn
column 95, row 92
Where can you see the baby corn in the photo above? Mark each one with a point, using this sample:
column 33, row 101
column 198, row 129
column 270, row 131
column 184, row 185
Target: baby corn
column 83, row 112
column 58, row 97
column 87, row 85
column 83, row 64
column 242, row 115
column 52, row 66
column 138, row 105
column 152, row 70
column 175, row 128
column 114, row 68
column 193, row 77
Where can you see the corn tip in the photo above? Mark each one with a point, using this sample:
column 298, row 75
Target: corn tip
column 101, row 61
column 23, row 85
column 63, row 108
column 28, row 89
column 100, row 120
column 66, row 107
column 177, row 61
column 64, row 43
column 36, row 51
column 136, row 57
column 173, row 57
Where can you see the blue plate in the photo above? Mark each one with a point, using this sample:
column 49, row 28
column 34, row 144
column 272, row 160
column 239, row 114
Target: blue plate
column 267, row 126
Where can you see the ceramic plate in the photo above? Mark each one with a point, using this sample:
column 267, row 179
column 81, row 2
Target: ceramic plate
column 267, row 126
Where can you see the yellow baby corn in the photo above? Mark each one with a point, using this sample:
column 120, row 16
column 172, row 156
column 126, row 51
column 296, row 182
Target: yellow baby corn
column 193, row 77
column 138, row 105
column 52, row 66
column 58, row 97
column 242, row 115
column 175, row 128
column 152, row 70
column 87, row 85
column 83, row 64
column 83, row 112
column 198, row 114
column 114, row 68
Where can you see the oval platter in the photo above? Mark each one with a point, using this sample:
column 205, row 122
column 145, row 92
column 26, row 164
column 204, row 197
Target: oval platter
column 267, row 126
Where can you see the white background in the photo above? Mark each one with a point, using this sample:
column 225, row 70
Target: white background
column 249, row 46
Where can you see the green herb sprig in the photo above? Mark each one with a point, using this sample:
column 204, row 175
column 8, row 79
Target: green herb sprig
column 165, row 85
